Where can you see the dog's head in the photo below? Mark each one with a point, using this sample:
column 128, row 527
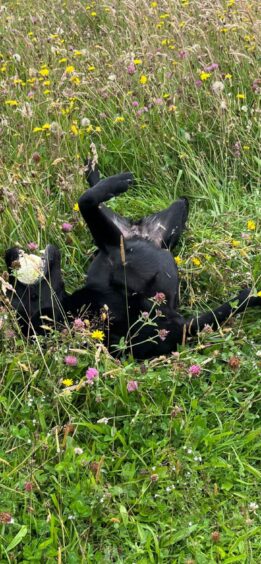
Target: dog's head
column 38, row 287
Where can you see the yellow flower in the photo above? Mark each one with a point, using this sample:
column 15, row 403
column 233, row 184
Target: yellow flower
column 91, row 68
column 76, row 207
column 74, row 129
column 143, row 79
column 11, row 103
column 63, row 60
column 36, row 129
column 119, row 119
column 259, row 294
column 246, row 147
column 3, row 68
column 228, row 75
column 47, row 92
column 17, row 81
column 75, row 80
column 196, row 261
column 235, row 243
column 172, row 108
column 89, row 129
column 47, row 83
column 205, row 75
column 46, row 126
column 241, row 96
column 67, row 382
column 251, row 225
column 99, row 335
column 93, row 14
column 98, row 129
column 178, row 260
column 77, row 53
column 69, row 69
column 154, row 4
column 137, row 61
column 43, row 72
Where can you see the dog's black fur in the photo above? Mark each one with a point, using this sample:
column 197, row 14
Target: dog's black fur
column 132, row 265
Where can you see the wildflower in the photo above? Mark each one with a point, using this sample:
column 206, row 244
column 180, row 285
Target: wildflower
column 85, row 122
column 93, row 14
column 253, row 506
column 176, row 411
column 71, row 360
column 163, row 333
column 6, row 518
column 76, row 207
column 131, row 68
column 78, row 324
column 11, row 103
column 63, row 60
column 78, row 450
column 205, row 75
column 198, row 83
column 145, row 315
column 154, row 4
column 259, row 294
column 158, row 101
column 17, row 57
column 135, row 104
column 98, row 335
column 215, row 536
column 159, row 297
column 182, row 54
column 217, row 87
column 28, row 486
column 70, row 69
column 67, row 382
column 178, row 260
column 119, row 119
column 137, row 61
column 104, row 420
column 196, row 261
column 235, row 243
column 211, row 67
column 154, row 477
column 91, row 68
column 46, row 126
column 90, row 374
column 32, row 246
column 132, row 386
column 237, row 149
column 234, row 362
column 143, row 79
column 251, row 225
column 74, row 129
column 195, row 370
column 43, row 72
column 67, row 227
column 246, row 147
column 241, row 96
column 228, row 76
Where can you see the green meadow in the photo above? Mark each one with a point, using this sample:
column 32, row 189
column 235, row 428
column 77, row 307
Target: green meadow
column 146, row 463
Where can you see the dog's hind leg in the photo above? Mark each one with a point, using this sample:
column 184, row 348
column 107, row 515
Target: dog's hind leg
column 165, row 227
column 223, row 313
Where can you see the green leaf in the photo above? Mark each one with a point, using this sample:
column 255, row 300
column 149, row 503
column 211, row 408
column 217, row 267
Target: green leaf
column 20, row 535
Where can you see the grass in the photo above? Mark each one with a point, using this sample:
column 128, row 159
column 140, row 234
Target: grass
column 167, row 473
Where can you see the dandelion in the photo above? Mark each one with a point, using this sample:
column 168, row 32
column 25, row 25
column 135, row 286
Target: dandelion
column 46, row 126
column 196, row 261
column 74, row 129
column 71, row 360
column 235, row 243
column 44, row 72
column 137, row 62
column 241, row 96
column 154, row 477
column 205, row 75
column 253, row 506
column 251, row 225
column 90, row 374
column 228, row 76
column 91, row 68
column 195, row 370
column 85, row 122
column 76, row 207
column 67, row 382
column 67, row 227
column 70, row 69
column 132, row 386
column 143, row 79
column 259, row 294
column 32, row 246
column 11, row 103
column 178, row 260
column 217, row 87
column 98, row 335
column 119, row 119
column 78, row 450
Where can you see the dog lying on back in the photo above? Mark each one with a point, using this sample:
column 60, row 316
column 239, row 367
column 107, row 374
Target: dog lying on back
column 133, row 274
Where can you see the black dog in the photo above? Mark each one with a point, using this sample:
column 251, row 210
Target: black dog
column 133, row 273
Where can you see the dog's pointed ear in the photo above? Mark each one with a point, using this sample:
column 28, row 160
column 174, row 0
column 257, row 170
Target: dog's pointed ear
column 11, row 255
